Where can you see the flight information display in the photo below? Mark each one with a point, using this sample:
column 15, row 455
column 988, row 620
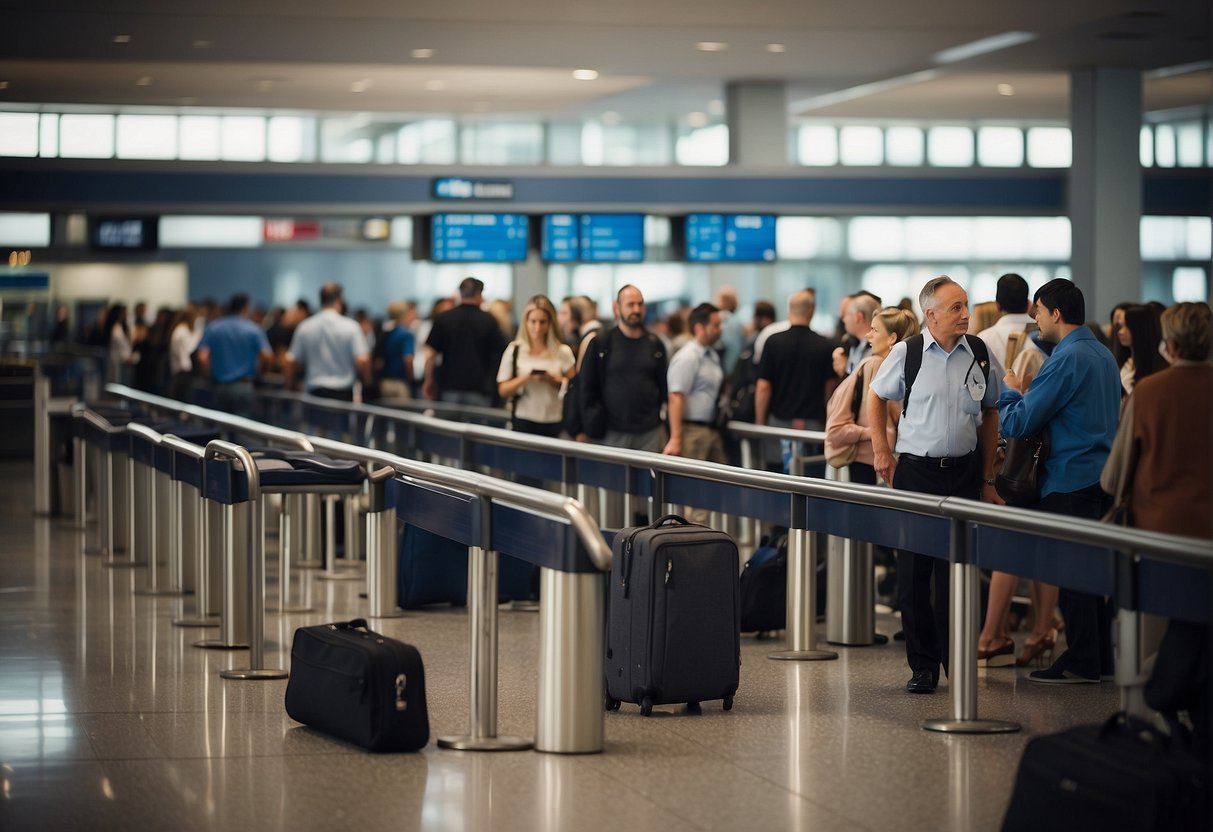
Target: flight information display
column 478, row 238
column 713, row 238
column 593, row 238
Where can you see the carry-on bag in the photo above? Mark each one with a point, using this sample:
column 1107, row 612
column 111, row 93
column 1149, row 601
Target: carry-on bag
column 673, row 618
column 434, row 570
column 359, row 686
column 1122, row 775
column 764, row 587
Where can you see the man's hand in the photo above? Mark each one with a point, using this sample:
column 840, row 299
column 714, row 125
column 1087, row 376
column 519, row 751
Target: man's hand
column 885, row 464
column 430, row 390
column 989, row 494
column 1013, row 381
column 673, row 447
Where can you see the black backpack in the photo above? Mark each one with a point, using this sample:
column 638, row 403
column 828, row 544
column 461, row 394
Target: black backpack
column 914, row 362
column 739, row 406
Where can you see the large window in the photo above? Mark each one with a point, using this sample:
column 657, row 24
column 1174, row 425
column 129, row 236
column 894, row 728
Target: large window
column 86, row 136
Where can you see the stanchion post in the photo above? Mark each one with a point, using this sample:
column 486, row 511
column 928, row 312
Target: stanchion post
column 254, row 566
column 802, row 595
column 964, row 623
column 290, row 549
column 381, row 547
column 569, row 716
column 482, row 658
column 80, row 458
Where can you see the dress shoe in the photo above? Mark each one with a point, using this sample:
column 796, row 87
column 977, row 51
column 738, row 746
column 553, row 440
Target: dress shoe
column 923, row 681
column 1001, row 656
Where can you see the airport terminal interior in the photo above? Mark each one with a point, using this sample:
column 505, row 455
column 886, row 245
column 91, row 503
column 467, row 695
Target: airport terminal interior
column 176, row 152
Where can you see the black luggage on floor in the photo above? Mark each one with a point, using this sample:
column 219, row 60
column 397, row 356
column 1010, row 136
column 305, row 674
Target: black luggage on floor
column 764, row 587
column 673, row 616
column 358, row 685
column 1122, row 775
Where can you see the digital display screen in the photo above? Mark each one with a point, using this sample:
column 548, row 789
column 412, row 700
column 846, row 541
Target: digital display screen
column 592, row 238
column 123, row 233
column 478, row 238
column 720, row 238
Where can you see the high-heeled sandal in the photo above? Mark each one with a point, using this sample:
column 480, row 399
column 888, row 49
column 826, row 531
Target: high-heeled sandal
column 1001, row 656
column 1038, row 652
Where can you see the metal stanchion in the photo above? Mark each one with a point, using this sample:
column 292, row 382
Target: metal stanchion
column 43, row 463
column 850, row 596
column 290, row 550
column 1130, row 676
column 310, row 554
column 381, row 548
column 80, row 459
column 802, row 600
column 193, row 537
column 228, row 538
column 254, row 567
column 160, row 526
column 482, row 619
column 964, row 623
column 127, row 523
column 331, row 573
column 569, row 716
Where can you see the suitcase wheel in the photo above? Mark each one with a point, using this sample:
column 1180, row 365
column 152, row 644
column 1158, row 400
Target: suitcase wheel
column 646, row 706
column 693, row 708
column 728, row 702
column 610, row 704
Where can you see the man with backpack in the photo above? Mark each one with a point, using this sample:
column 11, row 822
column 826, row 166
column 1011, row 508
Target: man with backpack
column 945, row 446
column 622, row 384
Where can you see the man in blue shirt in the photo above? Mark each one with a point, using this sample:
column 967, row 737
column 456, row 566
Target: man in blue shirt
column 945, row 444
column 232, row 351
column 1076, row 397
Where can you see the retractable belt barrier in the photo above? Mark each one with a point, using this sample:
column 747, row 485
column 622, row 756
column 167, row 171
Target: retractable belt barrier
column 1144, row 572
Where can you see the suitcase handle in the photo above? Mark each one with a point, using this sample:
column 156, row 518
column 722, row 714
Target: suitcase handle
column 676, row 519
column 356, row 624
column 1142, row 730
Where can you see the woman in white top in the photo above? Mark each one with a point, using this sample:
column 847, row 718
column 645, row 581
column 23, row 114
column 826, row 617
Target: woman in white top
column 534, row 368
column 182, row 343
column 121, row 349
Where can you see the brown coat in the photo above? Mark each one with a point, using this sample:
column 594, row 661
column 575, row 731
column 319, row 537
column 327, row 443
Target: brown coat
column 1167, row 433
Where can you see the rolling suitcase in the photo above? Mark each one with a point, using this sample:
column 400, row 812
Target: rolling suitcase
column 673, row 616
column 358, row 685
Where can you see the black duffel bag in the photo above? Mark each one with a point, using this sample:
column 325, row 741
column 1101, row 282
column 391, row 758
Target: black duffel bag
column 359, row 686
column 1019, row 479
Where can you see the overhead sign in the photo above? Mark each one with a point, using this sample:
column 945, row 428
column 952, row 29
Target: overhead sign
column 456, row 188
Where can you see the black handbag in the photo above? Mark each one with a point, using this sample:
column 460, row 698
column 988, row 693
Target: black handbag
column 1018, row 481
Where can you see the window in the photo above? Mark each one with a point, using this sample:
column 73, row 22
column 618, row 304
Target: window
column 876, row 238
column 938, row 238
column 950, row 147
column 147, row 137
column 1000, row 147
column 502, row 144
column 18, row 134
column 817, row 145
column 429, row 142
column 211, row 232
column 198, row 137
column 48, row 136
column 1147, row 146
column 703, row 146
column 242, row 139
column 29, row 230
column 86, row 136
column 1050, row 147
column 904, row 146
column 1190, row 283
column 291, row 139
column 861, row 145
column 1189, row 144
column 1164, row 146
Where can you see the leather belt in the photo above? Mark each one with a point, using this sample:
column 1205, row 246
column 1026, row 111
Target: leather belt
column 938, row 461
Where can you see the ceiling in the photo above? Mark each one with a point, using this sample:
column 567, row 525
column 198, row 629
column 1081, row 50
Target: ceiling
column 838, row 58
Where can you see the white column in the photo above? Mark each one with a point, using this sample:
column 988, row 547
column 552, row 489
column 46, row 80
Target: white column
column 1105, row 186
column 757, row 115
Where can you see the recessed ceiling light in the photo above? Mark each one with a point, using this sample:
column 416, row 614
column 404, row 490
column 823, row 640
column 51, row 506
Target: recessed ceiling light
column 697, row 119
column 202, row 44
column 361, row 85
column 1006, row 89
column 585, row 74
column 422, row 54
column 776, row 47
column 711, row 46
column 122, row 38
column 435, row 85
column 143, row 81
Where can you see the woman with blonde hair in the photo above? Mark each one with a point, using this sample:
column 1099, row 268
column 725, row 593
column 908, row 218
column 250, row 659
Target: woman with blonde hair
column 848, row 437
column 533, row 370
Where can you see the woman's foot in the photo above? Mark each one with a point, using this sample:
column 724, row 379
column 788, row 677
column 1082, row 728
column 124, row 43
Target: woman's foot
column 1037, row 649
column 1002, row 655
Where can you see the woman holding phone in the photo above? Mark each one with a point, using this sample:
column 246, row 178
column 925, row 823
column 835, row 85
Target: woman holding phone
column 534, row 368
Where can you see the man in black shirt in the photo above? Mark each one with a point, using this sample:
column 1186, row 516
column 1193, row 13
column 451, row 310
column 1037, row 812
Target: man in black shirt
column 795, row 375
column 471, row 345
column 623, row 380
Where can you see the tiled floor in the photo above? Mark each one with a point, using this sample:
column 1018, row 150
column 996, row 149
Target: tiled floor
column 110, row 719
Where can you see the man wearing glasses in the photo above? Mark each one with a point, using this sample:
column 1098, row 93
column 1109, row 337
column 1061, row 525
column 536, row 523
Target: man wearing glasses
column 945, row 446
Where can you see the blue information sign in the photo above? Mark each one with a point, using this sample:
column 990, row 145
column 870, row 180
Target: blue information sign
column 478, row 238
column 612, row 238
column 714, row 238
column 559, row 239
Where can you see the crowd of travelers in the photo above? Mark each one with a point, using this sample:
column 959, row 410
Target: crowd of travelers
column 915, row 403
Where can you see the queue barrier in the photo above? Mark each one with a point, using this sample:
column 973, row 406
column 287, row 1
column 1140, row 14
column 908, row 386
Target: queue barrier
column 490, row 517
column 1166, row 575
